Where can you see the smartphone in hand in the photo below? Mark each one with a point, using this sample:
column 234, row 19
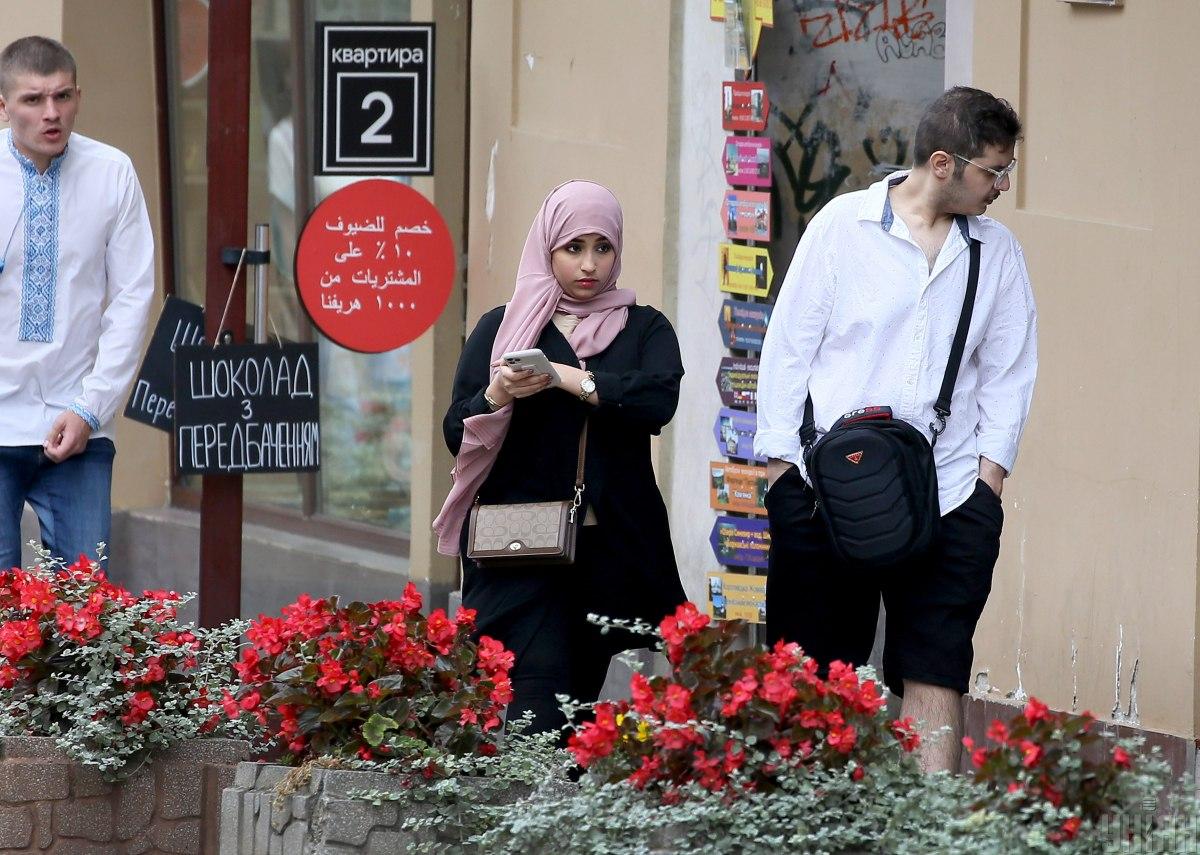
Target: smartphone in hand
column 531, row 360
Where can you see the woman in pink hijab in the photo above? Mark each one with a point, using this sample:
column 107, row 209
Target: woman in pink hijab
column 515, row 435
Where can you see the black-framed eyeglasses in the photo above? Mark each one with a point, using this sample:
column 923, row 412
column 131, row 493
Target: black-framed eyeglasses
column 1000, row 174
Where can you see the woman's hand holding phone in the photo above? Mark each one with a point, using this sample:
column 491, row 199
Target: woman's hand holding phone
column 527, row 372
column 509, row 383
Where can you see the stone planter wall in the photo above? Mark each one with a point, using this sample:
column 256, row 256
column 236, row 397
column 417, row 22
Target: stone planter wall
column 52, row 805
column 320, row 817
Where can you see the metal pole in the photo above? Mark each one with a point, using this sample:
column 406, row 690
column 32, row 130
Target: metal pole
column 262, row 243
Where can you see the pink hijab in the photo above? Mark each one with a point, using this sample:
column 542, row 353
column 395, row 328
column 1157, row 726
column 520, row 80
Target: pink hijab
column 572, row 209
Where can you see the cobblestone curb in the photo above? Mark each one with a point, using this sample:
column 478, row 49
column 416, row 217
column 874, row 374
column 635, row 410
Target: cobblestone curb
column 50, row 803
column 320, row 817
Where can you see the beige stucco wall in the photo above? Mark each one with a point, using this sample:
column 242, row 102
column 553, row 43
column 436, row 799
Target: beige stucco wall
column 120, row 109
column 1094, row 602
column 560, row 90
column 31, row 19
column 116, row 73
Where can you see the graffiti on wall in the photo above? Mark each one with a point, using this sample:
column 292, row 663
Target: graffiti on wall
column 886, row 23
column 847, row 81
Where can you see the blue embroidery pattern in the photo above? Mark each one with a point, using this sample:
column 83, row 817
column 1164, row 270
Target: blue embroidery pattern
column 85, row 414
column 41, row 247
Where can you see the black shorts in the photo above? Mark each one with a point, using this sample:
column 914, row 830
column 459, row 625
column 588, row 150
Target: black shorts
column 933, row 602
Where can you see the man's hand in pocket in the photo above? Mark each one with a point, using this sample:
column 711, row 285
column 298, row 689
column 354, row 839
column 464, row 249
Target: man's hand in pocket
column 991, row 474
column 775, row 468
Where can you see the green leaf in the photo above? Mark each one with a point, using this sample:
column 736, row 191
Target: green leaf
column 375, row 729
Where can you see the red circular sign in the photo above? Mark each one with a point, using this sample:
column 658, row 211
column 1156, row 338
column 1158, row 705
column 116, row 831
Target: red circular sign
column 374, row 265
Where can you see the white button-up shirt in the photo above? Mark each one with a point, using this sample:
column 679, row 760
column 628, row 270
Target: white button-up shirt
column 860, row 320
column 71, row 340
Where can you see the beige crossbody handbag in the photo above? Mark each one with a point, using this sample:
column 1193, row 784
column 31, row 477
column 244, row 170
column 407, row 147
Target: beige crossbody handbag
column 528, row 532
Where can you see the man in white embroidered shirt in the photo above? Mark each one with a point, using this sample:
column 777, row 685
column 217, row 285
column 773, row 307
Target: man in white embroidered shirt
column 865, row 317
column 76, row 279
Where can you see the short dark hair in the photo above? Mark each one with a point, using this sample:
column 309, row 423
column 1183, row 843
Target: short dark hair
column 34, row 55
column 966, row 121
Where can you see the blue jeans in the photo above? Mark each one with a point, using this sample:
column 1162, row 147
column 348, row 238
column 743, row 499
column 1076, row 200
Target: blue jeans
column 72, row 499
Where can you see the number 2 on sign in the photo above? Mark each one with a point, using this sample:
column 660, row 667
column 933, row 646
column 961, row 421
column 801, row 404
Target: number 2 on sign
column 371, row 134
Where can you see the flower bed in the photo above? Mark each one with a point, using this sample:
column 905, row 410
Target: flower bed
column 113, row 677
column 374, row 680
column 392, row 720
column 395, row 720
column 1041, row 758
column 732, row 718
column 741, row 749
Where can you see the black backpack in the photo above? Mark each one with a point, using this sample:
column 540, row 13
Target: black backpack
column 873, row 475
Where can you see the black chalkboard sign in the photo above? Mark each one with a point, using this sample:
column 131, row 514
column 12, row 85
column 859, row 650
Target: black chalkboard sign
column 152, row 399
column 244, row 408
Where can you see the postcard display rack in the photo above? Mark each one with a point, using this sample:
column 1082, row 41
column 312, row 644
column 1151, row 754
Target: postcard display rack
column 740, row 538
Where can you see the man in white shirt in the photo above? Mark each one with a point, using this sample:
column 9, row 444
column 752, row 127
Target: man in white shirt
column 866, row 316
column 76, row 280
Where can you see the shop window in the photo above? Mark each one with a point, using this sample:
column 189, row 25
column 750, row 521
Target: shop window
column 364, row 482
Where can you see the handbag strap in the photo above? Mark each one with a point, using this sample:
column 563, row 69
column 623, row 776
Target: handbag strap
column 582, row 451
column 808, row 429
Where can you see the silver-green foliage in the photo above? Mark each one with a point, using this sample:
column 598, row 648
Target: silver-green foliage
column 892, row 810
column 446, row 800
column 521, row 800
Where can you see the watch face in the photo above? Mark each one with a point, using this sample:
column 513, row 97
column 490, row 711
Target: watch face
column 588, row 385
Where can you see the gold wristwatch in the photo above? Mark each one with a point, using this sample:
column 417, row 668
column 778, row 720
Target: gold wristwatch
column 587, row 386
